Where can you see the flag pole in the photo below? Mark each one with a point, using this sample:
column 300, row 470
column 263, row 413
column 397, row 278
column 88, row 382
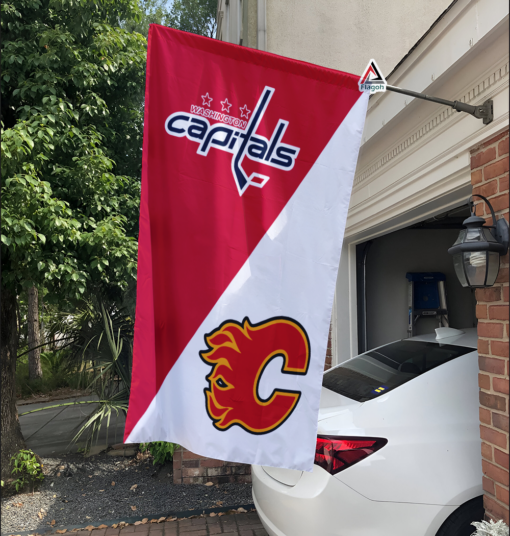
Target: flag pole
column 484, row 111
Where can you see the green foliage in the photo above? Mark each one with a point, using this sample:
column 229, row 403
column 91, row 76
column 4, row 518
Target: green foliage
column 56, row 362
column 72, row 118
column 50, row 382
column 72, row 84
column 195, row 16
column 110, row 369
column 58, row 373
column 161, row 451
column 99, row 357
column 152, row 12
column 26, row 468
column 25, row 387
column 82, row 330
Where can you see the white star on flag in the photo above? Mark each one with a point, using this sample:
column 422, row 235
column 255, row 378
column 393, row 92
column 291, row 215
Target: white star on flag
column 206, row 100
column 244, row 110
column 225, row 106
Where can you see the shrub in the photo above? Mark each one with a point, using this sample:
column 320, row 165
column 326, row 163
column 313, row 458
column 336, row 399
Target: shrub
column 56, row 375
column 56, row 362
column 26, row 468
column 161, row 451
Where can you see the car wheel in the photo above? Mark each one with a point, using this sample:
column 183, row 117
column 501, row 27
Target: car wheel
column 459, row 522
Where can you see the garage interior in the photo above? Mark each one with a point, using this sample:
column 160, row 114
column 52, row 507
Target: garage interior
column 382, row 287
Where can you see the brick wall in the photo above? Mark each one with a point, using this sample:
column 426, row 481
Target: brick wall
column 191, row 468
column 489, row 176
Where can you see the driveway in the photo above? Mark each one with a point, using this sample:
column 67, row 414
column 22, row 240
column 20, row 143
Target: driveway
column 230, row 525
column 50, row 432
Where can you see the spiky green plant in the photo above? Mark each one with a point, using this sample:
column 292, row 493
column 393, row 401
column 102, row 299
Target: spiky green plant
column 102, row 349
column 111, row 373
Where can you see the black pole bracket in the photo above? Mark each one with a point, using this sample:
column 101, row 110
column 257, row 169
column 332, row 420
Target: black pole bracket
column 484, row 111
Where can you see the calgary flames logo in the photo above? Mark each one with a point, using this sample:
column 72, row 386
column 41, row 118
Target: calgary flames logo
column 239, row 354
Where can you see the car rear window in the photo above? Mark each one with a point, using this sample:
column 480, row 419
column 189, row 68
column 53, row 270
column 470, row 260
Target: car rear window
column 369, row 375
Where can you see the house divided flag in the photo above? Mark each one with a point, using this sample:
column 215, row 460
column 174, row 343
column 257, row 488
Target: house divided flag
column 248, row 163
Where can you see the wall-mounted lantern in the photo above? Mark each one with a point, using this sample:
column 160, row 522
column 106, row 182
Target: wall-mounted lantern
column 478, row 248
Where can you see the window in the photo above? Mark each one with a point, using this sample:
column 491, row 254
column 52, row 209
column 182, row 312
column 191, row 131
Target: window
column 369, row 375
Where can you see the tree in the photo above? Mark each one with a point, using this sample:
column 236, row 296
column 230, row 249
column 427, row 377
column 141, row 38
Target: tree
column 152, row 12
column 72, row 120
column 195, row 16
column 34, row 339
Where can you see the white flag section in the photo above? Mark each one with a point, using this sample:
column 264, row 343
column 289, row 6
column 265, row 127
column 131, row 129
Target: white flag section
column 290, row 273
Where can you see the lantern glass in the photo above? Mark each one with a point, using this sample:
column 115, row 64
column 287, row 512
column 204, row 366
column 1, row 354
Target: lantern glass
column 461, row 237
column 459, row 269
column 493, row 268
column 474, row 235
column 475, row 265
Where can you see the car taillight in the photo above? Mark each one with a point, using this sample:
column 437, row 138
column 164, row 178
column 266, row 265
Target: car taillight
column 335, row 453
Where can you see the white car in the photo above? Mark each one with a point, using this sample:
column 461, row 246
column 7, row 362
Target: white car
column 398, row 448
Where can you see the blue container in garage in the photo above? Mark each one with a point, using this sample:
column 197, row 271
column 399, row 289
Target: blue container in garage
column 426, row 289
column 426, row 297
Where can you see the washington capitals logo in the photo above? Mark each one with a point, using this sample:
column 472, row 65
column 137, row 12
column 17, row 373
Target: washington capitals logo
column 239, row 142
column 372, row 79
